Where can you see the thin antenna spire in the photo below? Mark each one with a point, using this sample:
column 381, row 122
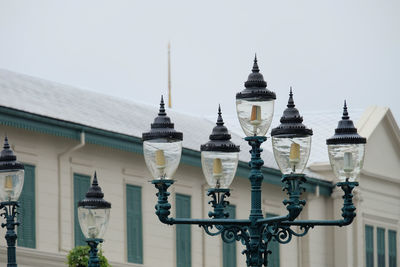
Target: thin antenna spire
column 169, row 75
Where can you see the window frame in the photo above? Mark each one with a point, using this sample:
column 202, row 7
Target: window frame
column 34, row 246
column 388, row 225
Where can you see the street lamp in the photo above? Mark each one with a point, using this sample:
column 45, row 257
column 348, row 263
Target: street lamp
column 11, row 183
column 94, row 215
column 291, row 145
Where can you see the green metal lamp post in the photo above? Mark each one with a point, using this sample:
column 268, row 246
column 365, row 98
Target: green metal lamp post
column 11, row 183
column 94, row 215
column 291, row 144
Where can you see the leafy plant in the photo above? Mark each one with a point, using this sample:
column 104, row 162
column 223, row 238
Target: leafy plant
column 79, row 257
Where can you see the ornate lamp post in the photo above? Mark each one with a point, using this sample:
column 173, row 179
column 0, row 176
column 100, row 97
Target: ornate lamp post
column 11, row 183
column 93, row 215
column 291, row 144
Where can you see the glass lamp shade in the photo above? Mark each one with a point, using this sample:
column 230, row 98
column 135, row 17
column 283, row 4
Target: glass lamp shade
column 11, row 183
column 291, row 140
column 255, row 116
column 93, row 221
column 291, row 153
column 219, row 168
column 346, row 160
column 346, row 149
column 162, row 157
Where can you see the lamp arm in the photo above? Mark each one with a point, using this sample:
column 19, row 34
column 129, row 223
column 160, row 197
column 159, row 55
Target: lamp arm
column 348, row 210
column 163, row 209
column 293, row 184
column 275, row 219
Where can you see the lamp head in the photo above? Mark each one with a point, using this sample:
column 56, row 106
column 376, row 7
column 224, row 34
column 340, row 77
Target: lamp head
column 219, row 156
column 94, row 212
column 255, row 104
column 291, row 140
column 346, row 149
column 162, row 146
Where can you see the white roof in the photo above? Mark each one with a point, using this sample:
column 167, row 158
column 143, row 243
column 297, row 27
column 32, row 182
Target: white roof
column 100, row 111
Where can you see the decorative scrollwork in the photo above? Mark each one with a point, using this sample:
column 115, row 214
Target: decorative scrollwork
column 218, row 202
column 229, row 233
column 282, row 233
column 234, row 233
column 207, row 228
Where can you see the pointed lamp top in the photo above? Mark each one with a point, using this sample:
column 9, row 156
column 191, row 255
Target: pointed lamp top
column 220, row 121
column 220, row 138
column 255, row 65
column 162, row 127
column 291, row 122
column 8, row 161
column 256, row 86
column 345, row 113
column 346, row 133
column 161, row 111
column 94, row 197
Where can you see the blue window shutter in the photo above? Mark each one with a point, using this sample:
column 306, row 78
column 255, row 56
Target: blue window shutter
column 392, row 249
column 183, row 235
column 27, row 216
column 229, row 249
column 369, row 246
column 134, row 224
column 81, row 186
column 273, row 258
column 381, row 246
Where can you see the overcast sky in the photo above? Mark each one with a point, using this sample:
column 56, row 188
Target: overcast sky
column 327, row 50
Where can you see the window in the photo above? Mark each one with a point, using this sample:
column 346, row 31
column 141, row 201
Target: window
column 392, row 249
column 134, row 224
column 273, row 246
column 386, row 242
column 380, row 236
column 369, row 246
column 26, row 231
column 229, row 249
column 183, row 235
column 81, row 186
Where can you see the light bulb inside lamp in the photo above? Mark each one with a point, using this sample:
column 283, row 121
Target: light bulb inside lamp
column 217, row 171
column 348, row 165
column 294, row 157
column 255, row 118
column 8, row 185
column 160, row 162
column 91, row 222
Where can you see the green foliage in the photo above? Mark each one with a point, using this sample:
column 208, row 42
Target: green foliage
column 79, row 257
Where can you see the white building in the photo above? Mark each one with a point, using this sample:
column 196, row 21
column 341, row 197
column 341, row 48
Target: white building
column 64, row 134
